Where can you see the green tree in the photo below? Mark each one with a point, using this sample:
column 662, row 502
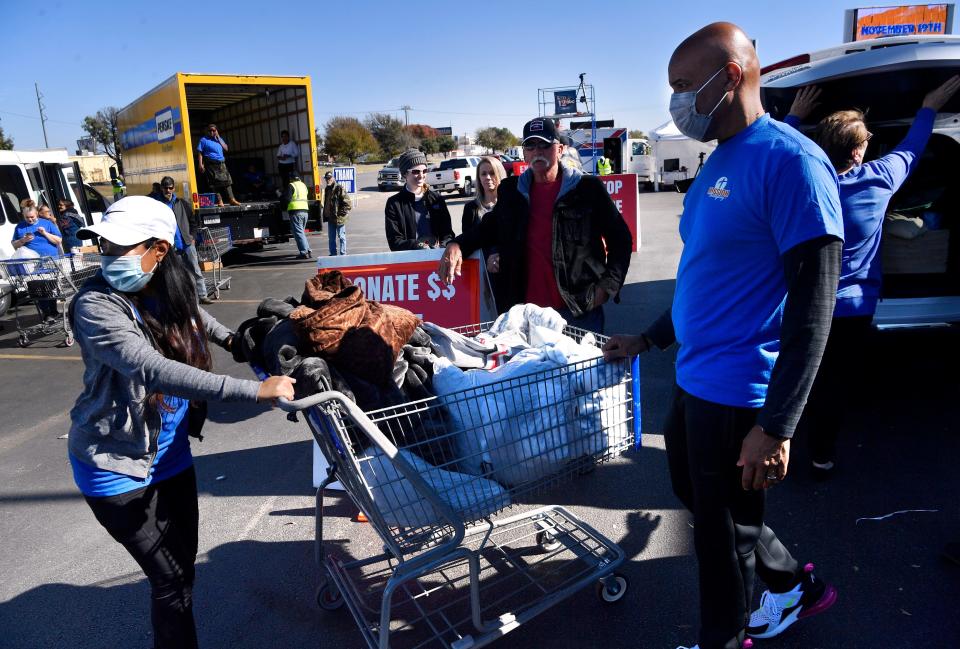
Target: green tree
column 637, row 134
column 346, row 137
column 102, row 127
column 445, row 144
column 390, row 134
column 429, row 145
column 6, row 143
column 495, row 138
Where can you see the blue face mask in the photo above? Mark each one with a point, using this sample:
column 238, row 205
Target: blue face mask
column 683, row 110
column 125, row 273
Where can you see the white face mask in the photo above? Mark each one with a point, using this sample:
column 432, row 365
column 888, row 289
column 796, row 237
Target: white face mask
column 683, row 110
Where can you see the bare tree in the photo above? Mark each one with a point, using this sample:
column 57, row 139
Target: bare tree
column 102, row 127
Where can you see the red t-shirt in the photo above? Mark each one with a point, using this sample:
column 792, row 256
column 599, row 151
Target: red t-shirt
column 541, row 281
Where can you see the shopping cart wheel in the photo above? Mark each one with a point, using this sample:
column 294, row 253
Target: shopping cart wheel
column 329, row 597
column 547, row 541
column 612, row 589
column 226, row 285
column 68, row 341
column 24, row 341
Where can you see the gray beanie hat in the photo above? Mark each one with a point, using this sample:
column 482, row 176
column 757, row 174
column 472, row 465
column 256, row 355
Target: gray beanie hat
column 410, row 159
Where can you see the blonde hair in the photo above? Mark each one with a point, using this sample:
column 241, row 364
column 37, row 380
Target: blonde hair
column 498, row 171
column 839, row 134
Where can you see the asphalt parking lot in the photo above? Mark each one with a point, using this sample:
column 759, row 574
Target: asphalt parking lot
column 66, row 583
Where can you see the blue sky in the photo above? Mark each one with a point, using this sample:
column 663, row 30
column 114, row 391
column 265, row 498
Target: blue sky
column 460, row 64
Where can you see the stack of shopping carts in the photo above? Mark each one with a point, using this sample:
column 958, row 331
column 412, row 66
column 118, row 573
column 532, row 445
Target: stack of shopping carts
column 44, row 286
column 434, row 476
column 212, row 244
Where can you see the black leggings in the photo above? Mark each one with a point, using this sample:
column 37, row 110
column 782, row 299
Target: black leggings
column 703, row 442
column 834, row 385
column 158, row 526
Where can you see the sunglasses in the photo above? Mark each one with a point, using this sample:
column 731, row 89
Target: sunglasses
column 109, row 249
column 418, row 172
column 537, row 146
column 166, row 187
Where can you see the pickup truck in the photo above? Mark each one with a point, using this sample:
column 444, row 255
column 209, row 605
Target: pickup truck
column 389, row 176
column 456, row 174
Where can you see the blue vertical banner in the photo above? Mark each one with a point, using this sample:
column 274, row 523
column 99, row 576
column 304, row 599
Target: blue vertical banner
column 346, row 177
column 565, row 102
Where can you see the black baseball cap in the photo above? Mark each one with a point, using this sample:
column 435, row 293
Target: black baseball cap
column 328, row 175
column 541, row 128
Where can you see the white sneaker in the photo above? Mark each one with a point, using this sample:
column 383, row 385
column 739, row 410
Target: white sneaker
column 780, row 610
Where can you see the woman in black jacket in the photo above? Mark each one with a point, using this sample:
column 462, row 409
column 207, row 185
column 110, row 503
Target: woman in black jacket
column 416, row 217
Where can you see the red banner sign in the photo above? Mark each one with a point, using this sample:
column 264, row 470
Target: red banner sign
column 410, row 280
column 624, row 191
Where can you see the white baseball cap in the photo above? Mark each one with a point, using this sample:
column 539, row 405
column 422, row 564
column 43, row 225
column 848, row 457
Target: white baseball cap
column 133, row 220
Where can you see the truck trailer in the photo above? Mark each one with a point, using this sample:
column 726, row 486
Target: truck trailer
column 160, row 130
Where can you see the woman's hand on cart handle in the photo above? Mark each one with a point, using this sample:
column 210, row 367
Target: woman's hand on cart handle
column 276, row 387
column 624, row 346
column 450, row 263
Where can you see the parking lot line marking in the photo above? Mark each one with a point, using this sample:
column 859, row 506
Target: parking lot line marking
column 38, row 357
column 222, row 301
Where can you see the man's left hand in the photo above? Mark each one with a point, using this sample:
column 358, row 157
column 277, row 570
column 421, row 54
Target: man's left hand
column 600, row 297
column 764, row 459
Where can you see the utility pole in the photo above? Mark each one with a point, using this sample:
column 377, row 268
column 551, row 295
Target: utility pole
column 406, row 114
column 43, row 118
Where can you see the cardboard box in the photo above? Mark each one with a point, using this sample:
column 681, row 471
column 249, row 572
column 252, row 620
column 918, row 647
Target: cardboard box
column 207, row 266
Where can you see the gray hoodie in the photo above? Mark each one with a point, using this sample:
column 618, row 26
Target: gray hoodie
column 112, row 425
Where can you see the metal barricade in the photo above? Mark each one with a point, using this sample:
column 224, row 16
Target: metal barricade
column 212, row 243
column 48, row 284
column 432, row 477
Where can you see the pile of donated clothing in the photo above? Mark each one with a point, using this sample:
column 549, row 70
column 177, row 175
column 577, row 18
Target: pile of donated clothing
column 517, row 403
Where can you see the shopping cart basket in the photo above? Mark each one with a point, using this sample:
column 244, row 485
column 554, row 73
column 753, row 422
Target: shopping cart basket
column 48, row 283
column 452, row 573
column 212, row 243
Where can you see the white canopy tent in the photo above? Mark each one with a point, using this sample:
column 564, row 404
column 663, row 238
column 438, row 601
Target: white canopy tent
column 677, row 156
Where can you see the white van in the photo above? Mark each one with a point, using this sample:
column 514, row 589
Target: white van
column 43, row 175
column 888, row 78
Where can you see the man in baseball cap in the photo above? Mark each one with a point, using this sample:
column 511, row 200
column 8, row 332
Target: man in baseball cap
column 550, row 224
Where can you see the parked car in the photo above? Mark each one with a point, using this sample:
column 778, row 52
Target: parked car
column 889, row 77
column 389, row 177
column 455, row 175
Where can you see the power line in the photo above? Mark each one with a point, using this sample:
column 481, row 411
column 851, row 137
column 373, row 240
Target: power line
column 54, row 121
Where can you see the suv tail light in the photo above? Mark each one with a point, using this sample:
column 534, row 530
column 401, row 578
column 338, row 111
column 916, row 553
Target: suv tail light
column 456, row 175
column 786, row 63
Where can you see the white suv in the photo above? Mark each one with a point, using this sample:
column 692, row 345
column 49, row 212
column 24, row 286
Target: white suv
column 888, row 78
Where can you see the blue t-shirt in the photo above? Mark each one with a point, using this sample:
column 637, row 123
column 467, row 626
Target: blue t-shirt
column 865, row 193
column 759, row 194
column 210, row 148
column 173, row 456
column 39, row 245
column 424, row 229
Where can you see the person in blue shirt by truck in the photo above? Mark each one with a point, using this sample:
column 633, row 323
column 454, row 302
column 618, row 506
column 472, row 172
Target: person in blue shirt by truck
column 211, row 161
column 865, row 193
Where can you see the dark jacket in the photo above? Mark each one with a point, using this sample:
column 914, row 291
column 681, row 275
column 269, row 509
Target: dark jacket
column 584, row 218
column 401, row 220
column 341, row 204
column 469, row 220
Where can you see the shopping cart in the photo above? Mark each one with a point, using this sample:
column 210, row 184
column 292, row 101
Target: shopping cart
column 212, row 243
column 48, row 283
column 452, row 574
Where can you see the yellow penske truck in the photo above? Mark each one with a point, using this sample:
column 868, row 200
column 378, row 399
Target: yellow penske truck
column 160, row 131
